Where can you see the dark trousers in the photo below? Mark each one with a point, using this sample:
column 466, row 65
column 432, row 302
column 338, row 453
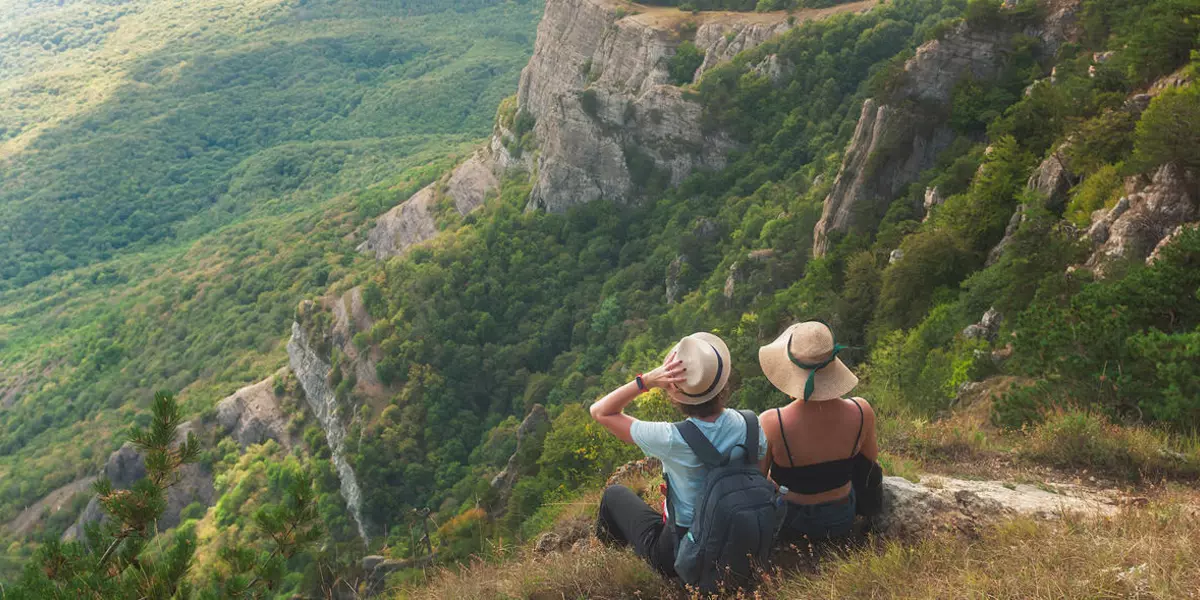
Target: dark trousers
column 626, row 520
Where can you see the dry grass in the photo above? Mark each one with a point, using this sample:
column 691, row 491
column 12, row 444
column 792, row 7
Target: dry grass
column 1147, row 553
column 1152, row 552
column 596, row 572
column 1078, row 439
column 669, row 17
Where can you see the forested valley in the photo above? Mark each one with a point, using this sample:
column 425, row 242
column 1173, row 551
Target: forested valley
column 1009, row 247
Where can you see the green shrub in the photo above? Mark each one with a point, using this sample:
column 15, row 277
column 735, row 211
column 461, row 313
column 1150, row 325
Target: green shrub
column 589, row 102
column 1022, row 405
column 687, row 58
column 1081, row 439
column 1122, row 345
column 1035, row 259
column 1175, row 358
column 524, row 123
column 1169, row 131
column 1100, row 141
column 1101, row 190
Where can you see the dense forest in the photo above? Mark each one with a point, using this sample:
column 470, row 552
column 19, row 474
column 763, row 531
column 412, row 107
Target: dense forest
column 558, row 308
column 187, row 180
column 507, row 308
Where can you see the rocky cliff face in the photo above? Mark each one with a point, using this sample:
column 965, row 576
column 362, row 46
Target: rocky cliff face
column 415, row 220
column 1150, row 213
column 530, row 435
column 874, row 170
column 312, row 371
column 607, row 116
column 899, row 137
column 607, row 119
column 126, row 466
column 253, row 415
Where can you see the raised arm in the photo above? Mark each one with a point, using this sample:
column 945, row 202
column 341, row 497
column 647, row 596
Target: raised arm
column 609, row 410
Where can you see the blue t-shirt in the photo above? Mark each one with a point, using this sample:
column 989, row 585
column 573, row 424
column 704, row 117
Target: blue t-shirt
column 685, row 471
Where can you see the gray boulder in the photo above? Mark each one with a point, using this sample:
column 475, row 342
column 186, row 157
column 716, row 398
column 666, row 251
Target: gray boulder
column 127, row 465
column 912, row 510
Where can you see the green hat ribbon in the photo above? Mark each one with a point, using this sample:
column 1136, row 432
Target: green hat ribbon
column 812, row 368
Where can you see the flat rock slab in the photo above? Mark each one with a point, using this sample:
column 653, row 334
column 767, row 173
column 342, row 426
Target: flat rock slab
column 944, row 503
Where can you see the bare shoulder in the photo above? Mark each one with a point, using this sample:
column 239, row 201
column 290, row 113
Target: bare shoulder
column 866, row 406
column 767, row 416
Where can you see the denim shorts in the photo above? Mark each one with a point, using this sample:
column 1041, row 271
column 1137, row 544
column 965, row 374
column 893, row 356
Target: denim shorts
column 819, row 521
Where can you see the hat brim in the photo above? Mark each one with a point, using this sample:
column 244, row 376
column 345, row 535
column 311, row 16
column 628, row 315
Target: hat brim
column 833, row 381
column 723, row 351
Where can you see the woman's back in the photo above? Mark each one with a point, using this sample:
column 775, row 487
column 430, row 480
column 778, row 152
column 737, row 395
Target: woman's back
column 811, row 445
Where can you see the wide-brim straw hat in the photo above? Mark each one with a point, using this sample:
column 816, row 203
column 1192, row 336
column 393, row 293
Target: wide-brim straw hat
column 802, row 350
column 706, row 359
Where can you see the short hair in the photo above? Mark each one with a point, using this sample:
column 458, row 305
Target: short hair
column 706, row 409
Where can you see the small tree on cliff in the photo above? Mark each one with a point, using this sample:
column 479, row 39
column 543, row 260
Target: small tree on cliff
column 118, row 560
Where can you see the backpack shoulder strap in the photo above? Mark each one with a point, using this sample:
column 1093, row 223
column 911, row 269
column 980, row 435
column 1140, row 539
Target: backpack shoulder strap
column 698, row 442
column 751, row 436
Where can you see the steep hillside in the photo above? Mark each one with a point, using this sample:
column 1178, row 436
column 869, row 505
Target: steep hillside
column 241, row 145
column 995, row 203
column 940, row 210
column 201, row 109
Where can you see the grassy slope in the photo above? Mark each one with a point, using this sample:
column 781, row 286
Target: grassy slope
column 1144, row 553
column 327, row 114
column 1149, row 550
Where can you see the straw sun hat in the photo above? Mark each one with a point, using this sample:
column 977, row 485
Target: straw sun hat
column 706, row 359
column 802, row 362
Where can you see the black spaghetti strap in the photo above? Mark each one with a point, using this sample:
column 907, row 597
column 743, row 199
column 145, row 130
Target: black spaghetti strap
column 861, row 419
column 783, row 436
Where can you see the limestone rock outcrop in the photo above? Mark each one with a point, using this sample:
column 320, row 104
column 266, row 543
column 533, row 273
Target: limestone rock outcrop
column 723, row 40
column 933, row 199
column 1152, row 211
column 126, row 466
column 415, row 220
column 899, row 137
column 672, row 285
column 403, row 226
column 531, row 431
column 253, row 415
column 308, row 357
column 942, row 503
column 607, row 117
column 1053, row 179
column 987, row 328
column 872, row 173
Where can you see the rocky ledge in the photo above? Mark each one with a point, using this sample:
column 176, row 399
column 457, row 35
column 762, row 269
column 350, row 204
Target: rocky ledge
column 596, row 116
column 943, row 503
column 253, row 414
column 127, row 465
column 899, row 137
column 415, row 220
column 1146, row 218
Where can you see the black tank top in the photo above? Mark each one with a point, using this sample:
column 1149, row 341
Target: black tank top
column 818, row 477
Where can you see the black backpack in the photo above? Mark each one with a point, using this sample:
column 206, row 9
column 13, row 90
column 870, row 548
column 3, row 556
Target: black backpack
column 738, row 513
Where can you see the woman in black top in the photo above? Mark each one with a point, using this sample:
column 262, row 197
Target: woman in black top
column 812, row 441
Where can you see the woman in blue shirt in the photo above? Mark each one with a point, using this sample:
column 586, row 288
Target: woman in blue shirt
column 694, row 376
